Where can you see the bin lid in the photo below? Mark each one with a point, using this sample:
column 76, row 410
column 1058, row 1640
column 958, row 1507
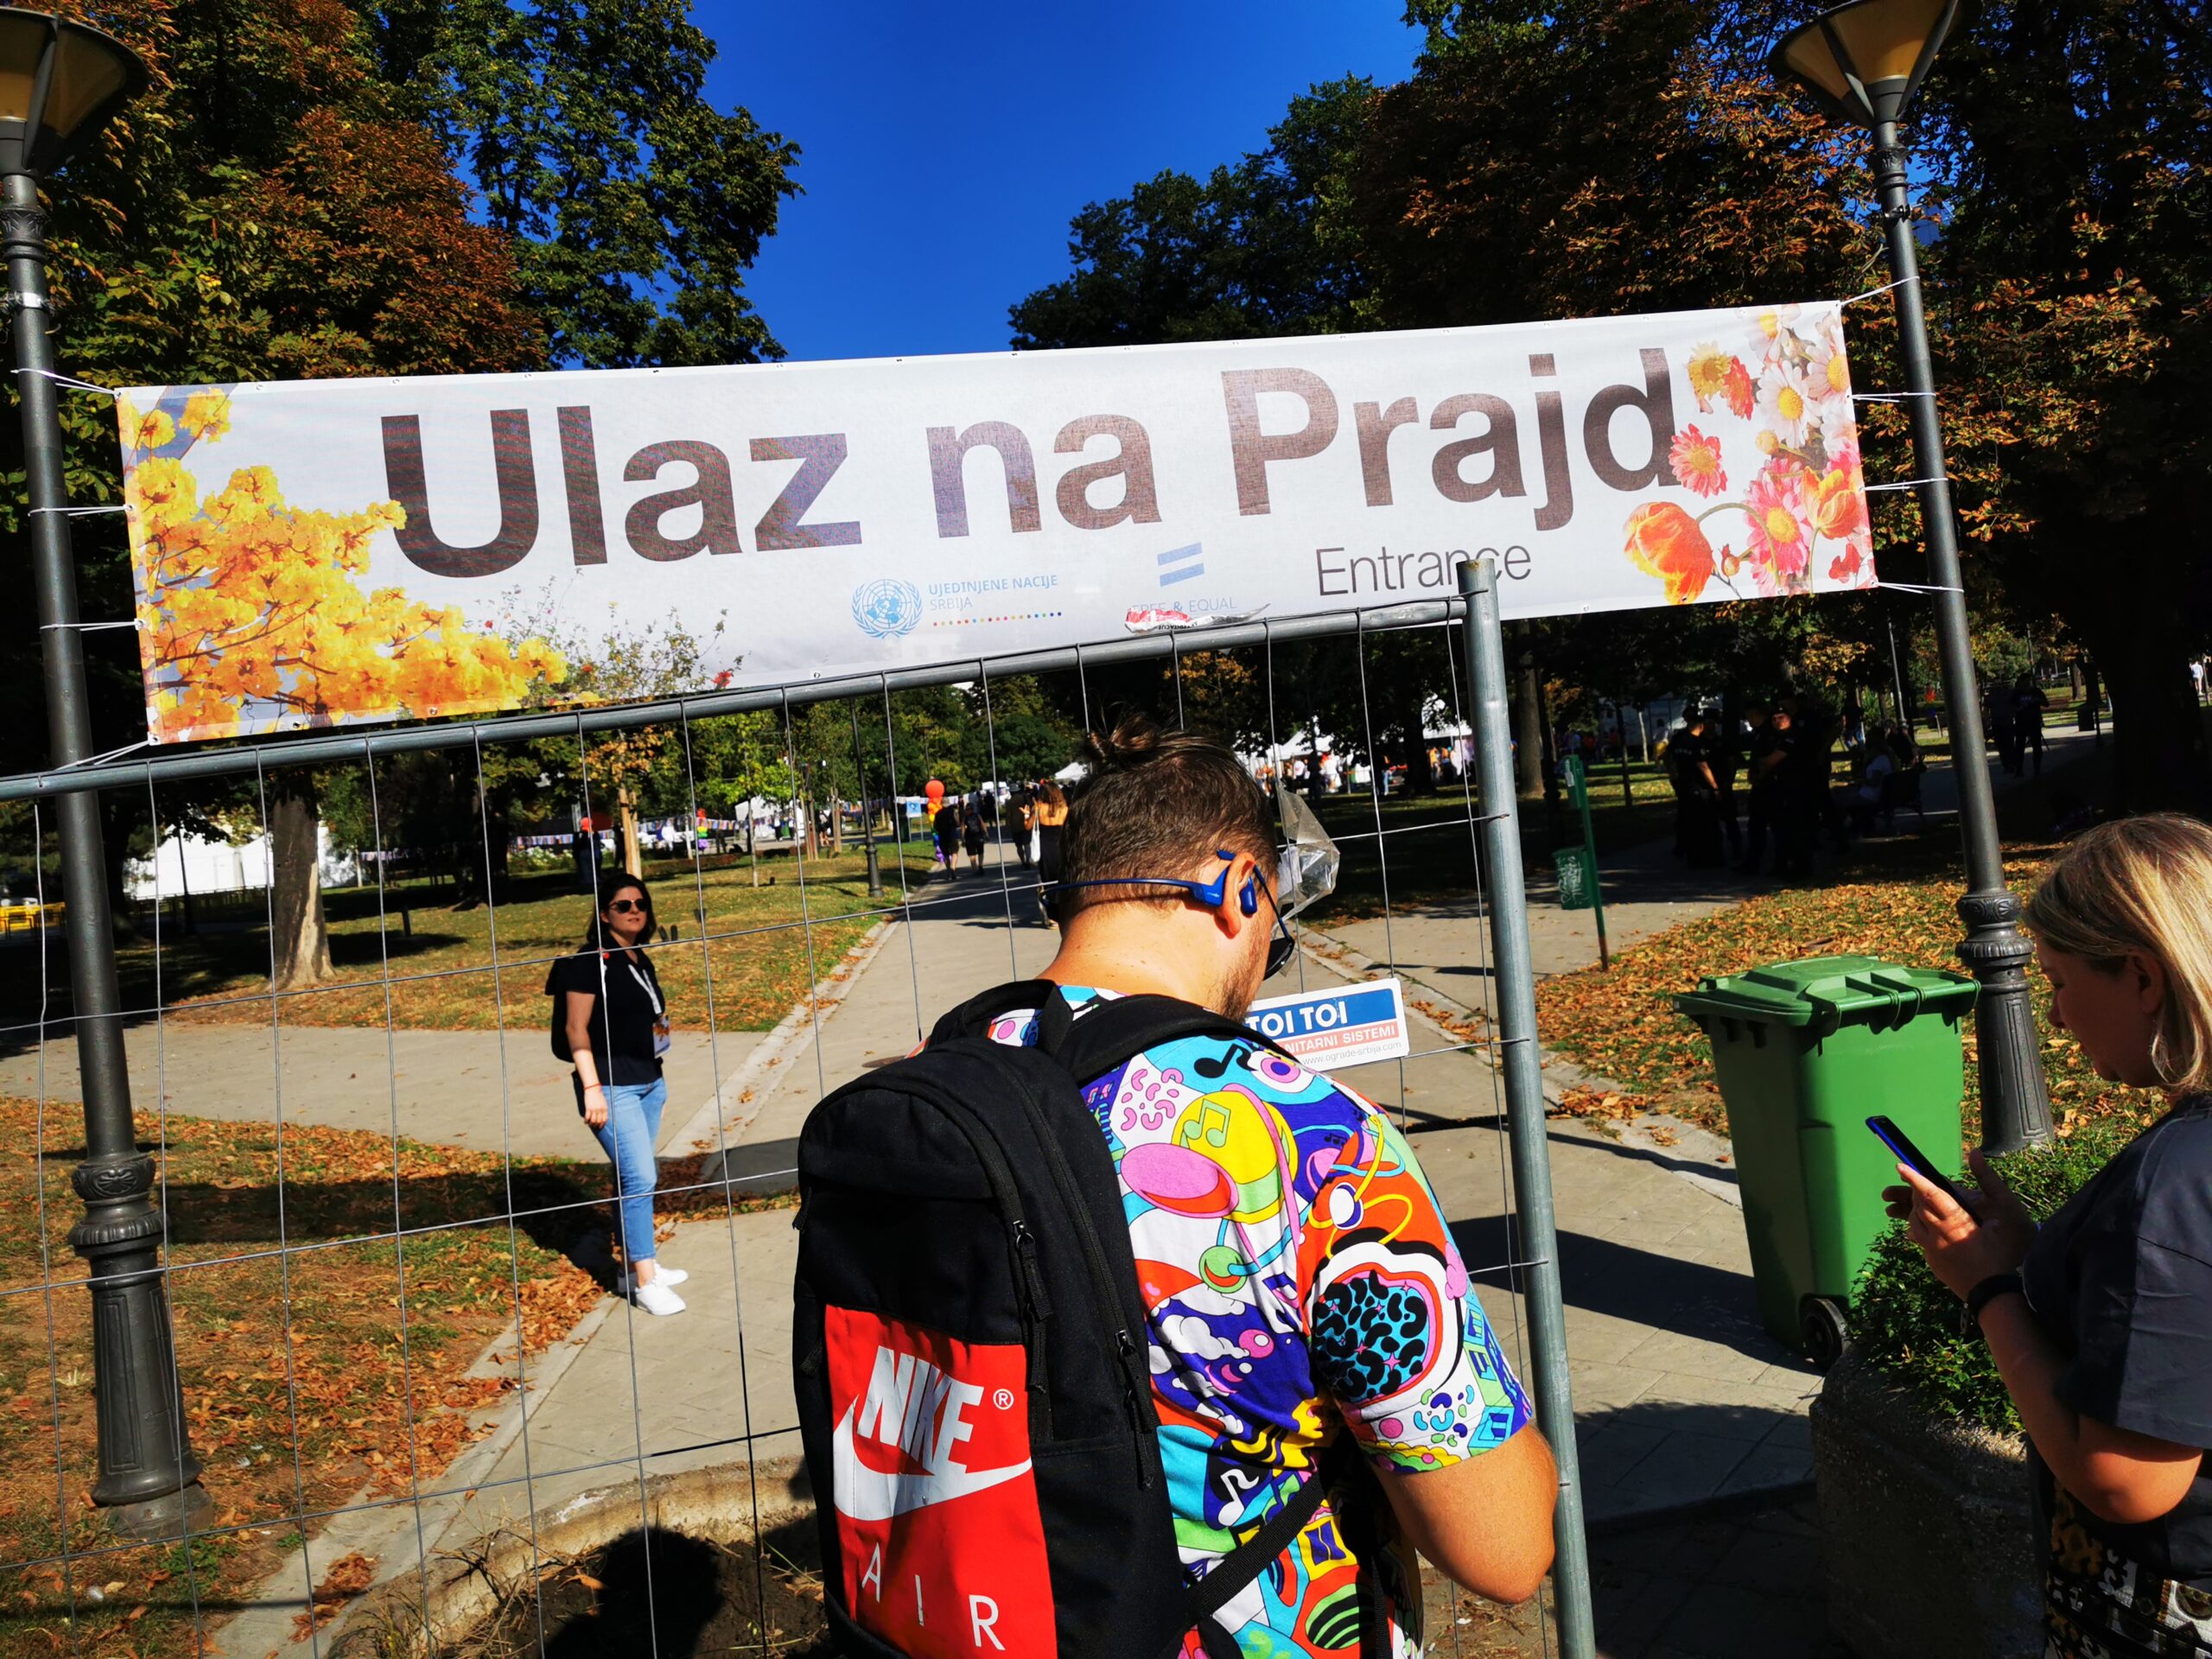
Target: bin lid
column 1825, row 992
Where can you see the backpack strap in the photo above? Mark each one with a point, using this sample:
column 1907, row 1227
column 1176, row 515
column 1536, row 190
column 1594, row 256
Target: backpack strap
column 1257, row 1554
column 1110, row 1032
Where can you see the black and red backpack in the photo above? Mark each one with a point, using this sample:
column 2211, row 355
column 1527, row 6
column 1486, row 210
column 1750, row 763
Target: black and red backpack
column 969, row 1356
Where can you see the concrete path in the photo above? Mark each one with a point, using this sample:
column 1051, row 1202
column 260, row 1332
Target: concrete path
column 1680, row 1395
column 485, row 1090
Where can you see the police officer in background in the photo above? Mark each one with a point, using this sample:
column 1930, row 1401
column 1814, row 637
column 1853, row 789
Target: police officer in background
column 1690, row 754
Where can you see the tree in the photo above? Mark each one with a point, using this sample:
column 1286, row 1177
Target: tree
column 1234, row 257
column 632, row 664
column 251, row 618
column 633, row 207
column 2073, row 334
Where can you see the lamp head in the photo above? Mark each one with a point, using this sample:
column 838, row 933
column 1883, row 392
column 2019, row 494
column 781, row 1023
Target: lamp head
column 1864, row 61
column 60, row 82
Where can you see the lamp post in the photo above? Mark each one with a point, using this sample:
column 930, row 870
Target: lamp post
column 867, row 810
column 59, row 84
column 1862, row 62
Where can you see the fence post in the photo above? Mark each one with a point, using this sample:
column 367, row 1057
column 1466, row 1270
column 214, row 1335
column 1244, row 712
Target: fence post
column 1523, row 1069
column 148, row 1479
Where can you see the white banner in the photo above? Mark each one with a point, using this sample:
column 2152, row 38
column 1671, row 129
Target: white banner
column 314, row 552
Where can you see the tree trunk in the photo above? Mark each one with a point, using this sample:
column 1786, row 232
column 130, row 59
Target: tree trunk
column 1530, row 745
column 1420, row 777
column 836, row 825
column 633, row 855
column 1315, row 786
column 301, row 946
column 1555, row 812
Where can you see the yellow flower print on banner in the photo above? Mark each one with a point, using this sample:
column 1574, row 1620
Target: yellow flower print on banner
column 1806, row 502
column 251, row 616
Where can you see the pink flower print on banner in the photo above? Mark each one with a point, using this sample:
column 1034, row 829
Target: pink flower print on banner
column 1696, row 459
column 1779, row 546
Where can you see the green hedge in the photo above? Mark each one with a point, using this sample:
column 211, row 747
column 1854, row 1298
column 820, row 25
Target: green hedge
column 1907, row 1325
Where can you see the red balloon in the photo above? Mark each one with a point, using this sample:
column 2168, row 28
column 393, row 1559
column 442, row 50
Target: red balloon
column 934, row 790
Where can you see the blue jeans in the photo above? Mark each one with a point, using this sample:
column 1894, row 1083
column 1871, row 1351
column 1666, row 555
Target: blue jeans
column 631, row 1131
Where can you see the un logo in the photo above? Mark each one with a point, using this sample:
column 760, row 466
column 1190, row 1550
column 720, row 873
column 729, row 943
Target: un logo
column 886, row 609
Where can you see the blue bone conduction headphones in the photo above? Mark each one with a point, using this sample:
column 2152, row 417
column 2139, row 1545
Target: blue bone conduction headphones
column 1280, row 948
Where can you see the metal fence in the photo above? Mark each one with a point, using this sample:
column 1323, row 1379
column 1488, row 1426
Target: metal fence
column 381, row 1233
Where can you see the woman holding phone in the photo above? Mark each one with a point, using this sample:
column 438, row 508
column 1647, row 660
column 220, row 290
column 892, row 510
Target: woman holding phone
column 616, row 1021
column 2101, row 1320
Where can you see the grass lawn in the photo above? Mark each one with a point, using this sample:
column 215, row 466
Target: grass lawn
column 364, row 1386
column 1420, row 847
column 740, row 947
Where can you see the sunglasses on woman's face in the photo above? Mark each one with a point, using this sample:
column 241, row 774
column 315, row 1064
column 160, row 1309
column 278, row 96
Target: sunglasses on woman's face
column 625, row 904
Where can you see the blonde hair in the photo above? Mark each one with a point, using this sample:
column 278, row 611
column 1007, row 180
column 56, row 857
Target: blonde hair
column 2143, row 885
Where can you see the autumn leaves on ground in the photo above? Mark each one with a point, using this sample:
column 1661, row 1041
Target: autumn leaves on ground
column 1896, row 903
column 321, row 1359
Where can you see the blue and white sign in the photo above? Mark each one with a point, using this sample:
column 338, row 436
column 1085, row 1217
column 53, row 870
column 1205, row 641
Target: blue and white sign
column 1353, row 1025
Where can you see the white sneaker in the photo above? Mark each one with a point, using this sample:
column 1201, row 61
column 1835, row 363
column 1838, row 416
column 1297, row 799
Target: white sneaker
column 670, row 1276
column 658, row 1299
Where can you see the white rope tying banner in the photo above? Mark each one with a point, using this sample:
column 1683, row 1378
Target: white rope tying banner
column 1883, row 289
column 81, row 512
column 72, row 382
column 1886, row 396
column 91, row 627
column 1917, row 587
column 1907, row 483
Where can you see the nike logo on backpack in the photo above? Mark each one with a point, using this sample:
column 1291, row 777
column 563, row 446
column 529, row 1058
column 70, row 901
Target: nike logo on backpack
column 921, row 1410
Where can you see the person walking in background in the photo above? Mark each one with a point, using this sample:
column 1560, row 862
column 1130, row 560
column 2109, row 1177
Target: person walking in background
column 1724, row 755
column 1770, row 748
column 1052, row 816
column 945, row 829
column 2029, row 701
column 611, row 1020
column 972, row 831
column 1020, row 815
column 2100, row 1320
column 1697, row 792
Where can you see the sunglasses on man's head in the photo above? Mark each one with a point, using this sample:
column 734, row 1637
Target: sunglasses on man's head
column 626, row 904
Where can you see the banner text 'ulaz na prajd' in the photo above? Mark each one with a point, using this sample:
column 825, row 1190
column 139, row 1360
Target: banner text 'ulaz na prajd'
column 318, row 552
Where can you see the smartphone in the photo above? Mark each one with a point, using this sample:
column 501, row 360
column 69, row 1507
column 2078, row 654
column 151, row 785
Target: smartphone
column 1901, row 1143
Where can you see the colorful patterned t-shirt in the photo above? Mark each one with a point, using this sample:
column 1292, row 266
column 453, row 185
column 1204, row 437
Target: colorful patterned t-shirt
column 1297, row 1272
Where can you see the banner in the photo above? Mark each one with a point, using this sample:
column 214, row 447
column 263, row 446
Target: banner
column 316, row 552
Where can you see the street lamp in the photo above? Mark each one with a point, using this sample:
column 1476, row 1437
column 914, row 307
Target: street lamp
column 1862, row 62
column 59, row 84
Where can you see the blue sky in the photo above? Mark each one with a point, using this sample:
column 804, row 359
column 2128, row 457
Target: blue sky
column 945, row 146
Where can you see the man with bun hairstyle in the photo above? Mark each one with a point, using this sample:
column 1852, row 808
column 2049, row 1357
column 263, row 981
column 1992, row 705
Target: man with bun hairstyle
column 1299, row 1279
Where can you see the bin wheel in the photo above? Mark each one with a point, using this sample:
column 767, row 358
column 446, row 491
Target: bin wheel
column 1821, row 1319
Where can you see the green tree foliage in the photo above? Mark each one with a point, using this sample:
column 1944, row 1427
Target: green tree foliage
column 1589, row 157
column 633, row 207
column 2075, row 333
column 1234, row 257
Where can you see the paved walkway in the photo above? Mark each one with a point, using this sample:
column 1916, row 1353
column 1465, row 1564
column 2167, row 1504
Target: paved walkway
column 1680, row 1395
column 481, row 1089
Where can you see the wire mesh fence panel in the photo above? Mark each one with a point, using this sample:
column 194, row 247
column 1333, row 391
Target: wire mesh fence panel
column 396, row 1245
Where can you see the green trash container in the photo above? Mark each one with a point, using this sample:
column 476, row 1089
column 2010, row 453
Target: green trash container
column 1805, row 1053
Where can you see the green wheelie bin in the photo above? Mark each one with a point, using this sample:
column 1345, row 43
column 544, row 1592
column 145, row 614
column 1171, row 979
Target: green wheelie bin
column 1805, row 1053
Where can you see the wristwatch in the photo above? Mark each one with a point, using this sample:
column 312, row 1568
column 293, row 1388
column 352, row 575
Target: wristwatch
column 1998, row 1284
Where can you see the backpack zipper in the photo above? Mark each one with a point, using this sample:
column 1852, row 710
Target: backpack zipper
column 1028, row 1273
column 1132, row 1384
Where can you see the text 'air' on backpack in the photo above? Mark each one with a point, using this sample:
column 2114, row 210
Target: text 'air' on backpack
column 970, row 1354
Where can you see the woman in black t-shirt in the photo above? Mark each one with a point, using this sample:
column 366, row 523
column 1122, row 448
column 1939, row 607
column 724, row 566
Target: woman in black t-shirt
column 611, row 1008
column 2101, row 1320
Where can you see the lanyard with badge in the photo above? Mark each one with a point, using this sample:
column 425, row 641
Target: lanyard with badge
column 662, row 1038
